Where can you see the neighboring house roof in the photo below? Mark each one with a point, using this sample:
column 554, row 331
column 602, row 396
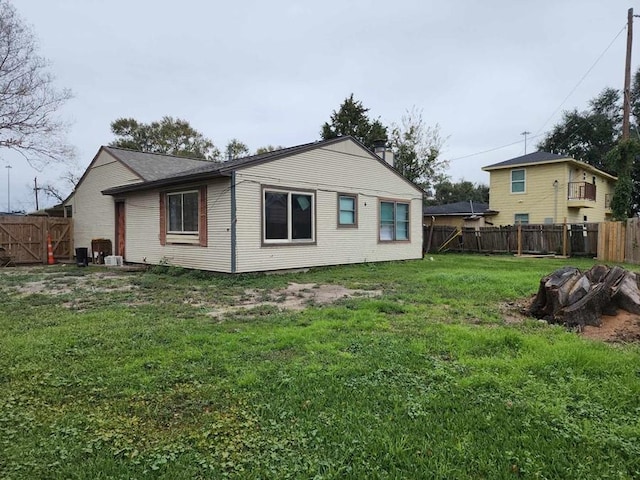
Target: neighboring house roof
column 540, row 158
column 213, row 169
column 528, row 159
column 459, row 208
column 154, row 166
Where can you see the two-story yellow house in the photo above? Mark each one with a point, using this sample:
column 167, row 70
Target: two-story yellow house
column 544, row 187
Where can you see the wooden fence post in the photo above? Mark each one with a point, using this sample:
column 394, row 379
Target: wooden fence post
column 433, row 219
column 44, row 229
column 519, row 239
column 564, row 237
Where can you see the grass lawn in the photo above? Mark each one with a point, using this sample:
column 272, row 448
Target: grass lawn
column 127, row 375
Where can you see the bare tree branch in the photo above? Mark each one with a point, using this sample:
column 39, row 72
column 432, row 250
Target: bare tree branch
column 417, row 150
column 28, row 100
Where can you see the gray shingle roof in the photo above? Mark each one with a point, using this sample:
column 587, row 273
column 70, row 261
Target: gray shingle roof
column 251, row 159
column 154, row 166
column 457, row 208
column 206, row 170
column 535, row 157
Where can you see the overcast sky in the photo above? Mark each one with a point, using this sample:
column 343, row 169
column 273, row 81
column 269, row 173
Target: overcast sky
column 272, row 72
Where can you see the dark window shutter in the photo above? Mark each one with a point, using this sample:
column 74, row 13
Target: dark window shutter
column 202, row 221
column 163, row 219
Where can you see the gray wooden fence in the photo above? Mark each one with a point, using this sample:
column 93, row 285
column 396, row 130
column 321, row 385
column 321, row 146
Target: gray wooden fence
column 564, row 239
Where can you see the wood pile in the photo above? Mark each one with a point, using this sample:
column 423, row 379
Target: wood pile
column 575, row 299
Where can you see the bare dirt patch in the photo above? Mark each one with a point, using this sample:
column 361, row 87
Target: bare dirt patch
column 624, row 327
column 58, row 282
column 297, row 296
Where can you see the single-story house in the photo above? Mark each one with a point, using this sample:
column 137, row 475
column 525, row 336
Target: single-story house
column 459, row 214
column 322, row 203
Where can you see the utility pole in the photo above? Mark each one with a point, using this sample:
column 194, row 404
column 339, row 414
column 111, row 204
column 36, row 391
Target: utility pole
column 35, row 189
column 8, row 167
column 525, row 133
column 626, row 107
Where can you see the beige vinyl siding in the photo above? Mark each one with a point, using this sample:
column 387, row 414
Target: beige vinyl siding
column 345, row 168
column 539, row 199
column 143, row 232
column 94, row 213
column 597, row 213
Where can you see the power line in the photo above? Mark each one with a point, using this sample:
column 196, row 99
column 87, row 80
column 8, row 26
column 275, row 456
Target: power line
column 489, row 150
column 582, row 79
column 538, row 133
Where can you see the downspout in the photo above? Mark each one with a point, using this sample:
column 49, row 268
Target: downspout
column 233, row 222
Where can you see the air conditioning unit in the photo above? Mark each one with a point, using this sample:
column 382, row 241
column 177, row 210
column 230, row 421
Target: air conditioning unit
column 113, row 260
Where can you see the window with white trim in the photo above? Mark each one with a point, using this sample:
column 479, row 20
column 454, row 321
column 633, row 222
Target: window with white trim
column 347, row 210
column 182, row 212
column 394, row 221
column 521, row 218
column 288, row 216
column 518, row 181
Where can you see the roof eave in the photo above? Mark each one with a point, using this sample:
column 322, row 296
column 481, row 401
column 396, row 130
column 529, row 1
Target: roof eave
column 527, row 164
column 163, row 183
column 457, row 214
column 570, row 160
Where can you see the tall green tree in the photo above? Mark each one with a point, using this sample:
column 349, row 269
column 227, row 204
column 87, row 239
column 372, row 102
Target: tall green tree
column 169, row 135
column 462, row 191
column 624, row 158
column 417, row 150
column 590, row 134
column 236, row 149
column 593, row 136
column 268, row 148
column 352, row 119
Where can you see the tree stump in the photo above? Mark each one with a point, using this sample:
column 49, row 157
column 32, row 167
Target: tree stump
column 575, row 299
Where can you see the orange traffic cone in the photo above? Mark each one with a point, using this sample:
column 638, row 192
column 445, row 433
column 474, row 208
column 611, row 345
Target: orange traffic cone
column 50, row 259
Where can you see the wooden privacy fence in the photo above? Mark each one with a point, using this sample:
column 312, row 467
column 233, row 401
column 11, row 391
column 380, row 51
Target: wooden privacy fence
column 563, row 239
column 25, row 238
column 620, row 241
column 612, row 242
column 632, row 241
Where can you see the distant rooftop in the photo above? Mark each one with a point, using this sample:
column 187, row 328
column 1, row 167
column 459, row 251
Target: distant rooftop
column 535, row 157
column 457, row 208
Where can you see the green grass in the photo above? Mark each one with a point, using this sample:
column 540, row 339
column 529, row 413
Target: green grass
column 128, row 376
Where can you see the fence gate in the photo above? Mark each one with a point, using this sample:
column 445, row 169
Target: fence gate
column 25, row 238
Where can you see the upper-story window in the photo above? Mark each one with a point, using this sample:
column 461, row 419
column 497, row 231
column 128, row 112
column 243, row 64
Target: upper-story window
column 518, row 181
